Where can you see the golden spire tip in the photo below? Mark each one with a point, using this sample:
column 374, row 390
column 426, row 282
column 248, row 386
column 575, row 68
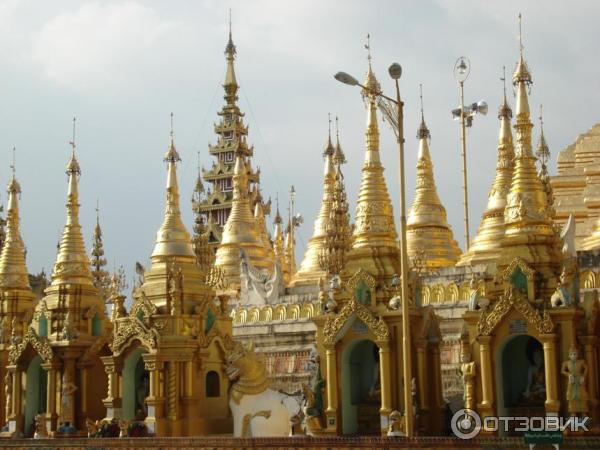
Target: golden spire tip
column 13, row 165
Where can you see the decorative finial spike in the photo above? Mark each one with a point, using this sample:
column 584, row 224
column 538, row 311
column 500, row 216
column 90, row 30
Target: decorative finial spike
column 72, row 141
column 171, row 133
column 368, row 47
column 421, row 98
column 503, row 79
column 541, row 119
column 229, row 23
column 520, row 37
column 337, row 129
column 13, row 165
column 329, row 120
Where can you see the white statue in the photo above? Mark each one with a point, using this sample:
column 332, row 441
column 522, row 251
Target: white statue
column 259, row 287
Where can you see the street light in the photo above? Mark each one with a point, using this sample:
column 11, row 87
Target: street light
column 462, row 68
column 392, row 109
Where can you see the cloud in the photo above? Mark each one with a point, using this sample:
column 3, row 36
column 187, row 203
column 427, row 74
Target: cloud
column 99, row 44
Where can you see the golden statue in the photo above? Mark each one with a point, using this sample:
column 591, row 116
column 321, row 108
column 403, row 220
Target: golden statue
column 468, row 371
column 576, row 371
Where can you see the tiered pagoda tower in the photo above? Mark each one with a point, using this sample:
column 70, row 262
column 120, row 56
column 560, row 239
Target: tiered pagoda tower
column 485, row 248
column 310, row 270
column 429, row 237
column 231, row 141
column 374, row 239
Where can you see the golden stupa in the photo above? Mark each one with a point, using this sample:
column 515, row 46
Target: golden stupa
column 240, row 233
column 173, row 248
column 529, row 232
column 374, row 239
column 429, row 237
column 17, row 295
column 486, row 246
column 310, row 271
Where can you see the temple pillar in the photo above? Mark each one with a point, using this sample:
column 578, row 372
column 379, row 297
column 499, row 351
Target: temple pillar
column 437, row 375
column 552, row 403
column 15, row 420
column 592, row 375
column 51, row 394
column 332, row 389
column 155, row 420
column 487, row 381
column 423, row 375
column 386, row 385
column 113, row 401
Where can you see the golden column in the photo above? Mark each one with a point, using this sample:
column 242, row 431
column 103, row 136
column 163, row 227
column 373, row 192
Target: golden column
column 487, row 381
column 551, row 373
column 386, row 382
column 332, row 401
column 51, row 414
column 424, row 380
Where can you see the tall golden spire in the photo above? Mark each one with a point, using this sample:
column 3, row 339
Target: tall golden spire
column 13, row 269
column 543, row 154
column 310, row 271
column 72, row 264
column 172, row 238
column 231, row 86
column 428, row 234
column 279, row 244
column 374, row 240
column 486, row 246
column 529, row 232
column 173, row 249
column 240, row 232
column 100, row 275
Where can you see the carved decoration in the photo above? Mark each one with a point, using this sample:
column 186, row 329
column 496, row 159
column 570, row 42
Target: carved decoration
column 361, row 275
column 40, row 345
column 520, row 263
column 130, row 329
column 334, row 324
column 144, row 305
column 514, row 299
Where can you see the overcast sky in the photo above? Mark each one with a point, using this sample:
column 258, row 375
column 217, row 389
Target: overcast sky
column 122, row 67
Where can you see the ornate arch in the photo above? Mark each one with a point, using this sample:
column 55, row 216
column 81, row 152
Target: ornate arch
column 293, row 312
column 280, row 312
column 41, row 347
column 588, row 279
column 335, row 324
column 130, row 330
column 512, row 298
column 452, row 293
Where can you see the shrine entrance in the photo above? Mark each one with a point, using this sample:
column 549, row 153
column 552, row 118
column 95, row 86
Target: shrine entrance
column 36, row 385
column 136, row 387
column 361, row 388
column 520, row 376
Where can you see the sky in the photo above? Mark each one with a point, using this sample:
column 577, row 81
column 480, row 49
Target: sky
column 121, row 67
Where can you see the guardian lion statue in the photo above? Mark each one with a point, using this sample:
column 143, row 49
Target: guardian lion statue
column 258, row 410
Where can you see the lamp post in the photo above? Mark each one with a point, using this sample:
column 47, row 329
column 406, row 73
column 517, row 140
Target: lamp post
column 462, row 68
column 393, row 110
